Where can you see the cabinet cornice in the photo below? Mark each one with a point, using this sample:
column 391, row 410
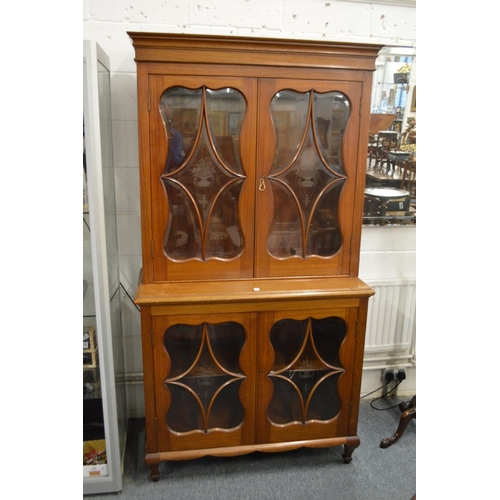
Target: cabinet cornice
column 229, row 50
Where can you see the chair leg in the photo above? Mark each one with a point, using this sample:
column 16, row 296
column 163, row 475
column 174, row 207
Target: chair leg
column 409, row 414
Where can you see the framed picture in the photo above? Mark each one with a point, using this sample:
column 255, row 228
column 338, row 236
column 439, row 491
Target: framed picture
column 218, row 122
column 185, row 120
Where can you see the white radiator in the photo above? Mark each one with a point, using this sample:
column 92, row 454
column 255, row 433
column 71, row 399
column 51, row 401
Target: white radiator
column 391, row 324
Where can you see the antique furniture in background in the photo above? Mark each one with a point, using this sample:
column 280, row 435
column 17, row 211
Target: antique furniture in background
column 252, row 168
column 378, row 122
column 409, row 177
column 408, row 413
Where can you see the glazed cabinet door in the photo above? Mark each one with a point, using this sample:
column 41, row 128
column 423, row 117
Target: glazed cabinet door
column 204, row 380
column 202, row 166
column 305, row 374
column 308, row 156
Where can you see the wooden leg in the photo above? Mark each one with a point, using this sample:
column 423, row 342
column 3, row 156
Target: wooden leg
column 154, row 473
column 409, row 414
column 347, row 455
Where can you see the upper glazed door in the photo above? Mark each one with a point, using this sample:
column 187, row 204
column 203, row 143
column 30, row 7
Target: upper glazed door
column 202, row 176
column 307, row 158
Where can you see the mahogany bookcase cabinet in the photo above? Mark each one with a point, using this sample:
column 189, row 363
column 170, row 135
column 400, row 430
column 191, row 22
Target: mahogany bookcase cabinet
column 252, row 172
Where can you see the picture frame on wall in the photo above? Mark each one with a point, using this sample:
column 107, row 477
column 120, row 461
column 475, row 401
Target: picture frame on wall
column 218, row 122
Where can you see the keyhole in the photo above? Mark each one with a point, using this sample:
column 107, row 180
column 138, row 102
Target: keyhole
column 262, row 184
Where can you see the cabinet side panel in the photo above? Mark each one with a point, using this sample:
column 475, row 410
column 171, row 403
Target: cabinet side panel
column 144, row 168
column 358, row 366
column 360, row 179
column 149, row 382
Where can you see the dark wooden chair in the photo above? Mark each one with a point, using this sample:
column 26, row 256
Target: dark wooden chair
column 378, row 122
column 409, row 177
column 409, row 413
column 387, row 141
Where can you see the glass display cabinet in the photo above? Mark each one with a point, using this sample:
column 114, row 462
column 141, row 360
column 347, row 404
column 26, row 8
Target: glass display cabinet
column 252, row 166
column 104, row 403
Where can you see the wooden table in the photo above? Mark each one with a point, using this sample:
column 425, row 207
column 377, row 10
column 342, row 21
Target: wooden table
column 385, row 194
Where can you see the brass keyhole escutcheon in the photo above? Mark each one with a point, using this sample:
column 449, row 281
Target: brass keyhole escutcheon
column 262, row 184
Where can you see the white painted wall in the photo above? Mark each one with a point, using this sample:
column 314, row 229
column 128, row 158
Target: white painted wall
column 386, row 253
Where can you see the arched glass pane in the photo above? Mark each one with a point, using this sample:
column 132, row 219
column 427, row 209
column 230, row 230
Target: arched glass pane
column 289, row 114
column 183, row 344
column 183, row 236
column 328, row 335
column 226, row 342
column 226, row 108
column 285, row 406
column 287, row 337
column 323, row 235
column 331, row 111
column 205, row 376
column 224, row 236
column 285, row 237
column 307, row 174
column 324, row 402
column 180, row 108
column 203, row 175
column 306, row 369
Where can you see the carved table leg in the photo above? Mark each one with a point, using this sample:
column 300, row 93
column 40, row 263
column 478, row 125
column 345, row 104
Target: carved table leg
column 409, row 414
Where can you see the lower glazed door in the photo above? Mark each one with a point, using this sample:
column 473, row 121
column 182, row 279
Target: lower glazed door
column 205, row 380
column 305, row 374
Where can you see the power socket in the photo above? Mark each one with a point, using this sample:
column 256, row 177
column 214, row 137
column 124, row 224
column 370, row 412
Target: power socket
column 389, row 374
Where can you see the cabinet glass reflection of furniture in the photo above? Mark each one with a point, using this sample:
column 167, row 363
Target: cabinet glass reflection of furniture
column 252, row 167
column 104, row 400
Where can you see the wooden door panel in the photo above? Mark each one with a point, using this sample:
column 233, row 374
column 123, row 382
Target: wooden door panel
column 204, row 380
column 305, row 374
column 202, row 143
column 307, row 163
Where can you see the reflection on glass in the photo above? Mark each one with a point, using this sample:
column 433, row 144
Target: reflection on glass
column 205, row 376
column 307, row 175
column 203, row 175
column 391, row 82
column 226, row 108
column 306, row 369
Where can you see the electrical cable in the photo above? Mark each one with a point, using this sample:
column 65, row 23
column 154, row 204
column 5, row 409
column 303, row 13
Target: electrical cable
column 385, row 395
column 381, row 387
